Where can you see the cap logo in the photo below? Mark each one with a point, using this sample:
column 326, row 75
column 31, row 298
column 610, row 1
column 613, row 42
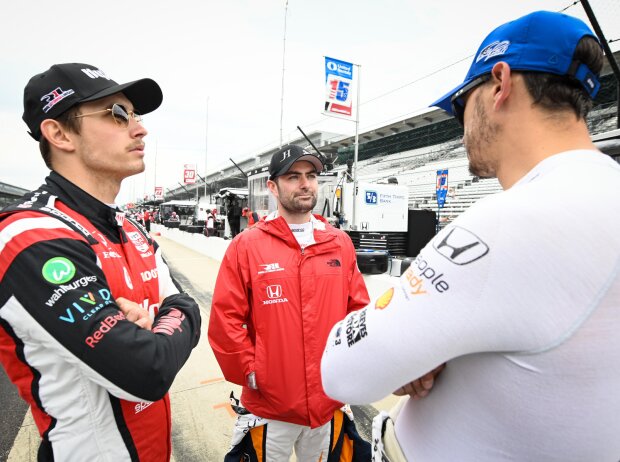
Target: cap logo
column 95, row 73
column 496, row 48
column 54, row 97
column 285, row 155
column 588, row 80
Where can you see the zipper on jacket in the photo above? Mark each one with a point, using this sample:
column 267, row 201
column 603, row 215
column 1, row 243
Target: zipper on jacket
column 299, row 264
column 301, row 303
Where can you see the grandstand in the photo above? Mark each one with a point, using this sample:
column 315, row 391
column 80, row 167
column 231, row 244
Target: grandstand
column 10, row 193
column 411, row 151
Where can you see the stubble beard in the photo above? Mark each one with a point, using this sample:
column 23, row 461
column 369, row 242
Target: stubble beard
column 294, row 206
column 478, row 144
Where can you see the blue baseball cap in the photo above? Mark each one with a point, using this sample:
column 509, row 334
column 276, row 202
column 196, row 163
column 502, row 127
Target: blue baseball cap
column 543, row 41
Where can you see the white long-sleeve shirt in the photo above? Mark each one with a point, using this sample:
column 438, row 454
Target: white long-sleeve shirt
column 521, row 297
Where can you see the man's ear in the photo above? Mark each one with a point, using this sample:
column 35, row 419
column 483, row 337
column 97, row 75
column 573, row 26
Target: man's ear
column 502, row 84
column 57, row 135
column 273, row 187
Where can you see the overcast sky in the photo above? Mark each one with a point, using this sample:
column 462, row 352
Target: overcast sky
column 229, row 53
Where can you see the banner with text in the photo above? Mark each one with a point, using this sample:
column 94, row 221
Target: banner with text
column 189, row 174
column 159, row 193
column 442, row 187
column 338, row 83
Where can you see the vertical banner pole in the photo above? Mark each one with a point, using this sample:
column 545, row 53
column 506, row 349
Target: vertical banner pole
column 155, row 167
column 441, row 190
column 357, row 125
column 206, row 146
column 283, row 68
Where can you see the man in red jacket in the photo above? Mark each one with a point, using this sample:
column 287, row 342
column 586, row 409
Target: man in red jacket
column 281, row 287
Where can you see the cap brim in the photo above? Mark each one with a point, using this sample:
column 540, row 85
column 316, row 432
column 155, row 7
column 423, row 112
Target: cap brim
column 145, row 94
column 445, row 101
column 314, row 160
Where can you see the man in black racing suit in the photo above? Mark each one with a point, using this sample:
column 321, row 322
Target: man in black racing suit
column 92, row 328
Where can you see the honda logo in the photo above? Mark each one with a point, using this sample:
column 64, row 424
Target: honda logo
column 274, row 291
column 461, row 246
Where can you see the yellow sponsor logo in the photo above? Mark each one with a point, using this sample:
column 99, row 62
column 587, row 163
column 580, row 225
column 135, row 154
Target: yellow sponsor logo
column 416, row 283
column 385, row 299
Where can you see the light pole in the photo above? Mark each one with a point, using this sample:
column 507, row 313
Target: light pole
column 283, row 62
column 206, row 144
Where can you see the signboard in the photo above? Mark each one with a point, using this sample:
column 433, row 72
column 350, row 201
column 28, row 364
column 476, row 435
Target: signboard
column 442, row 187
column 189, row 174
column 159, row 193
column 372, row 197
column 338, row 80
column 379, row 207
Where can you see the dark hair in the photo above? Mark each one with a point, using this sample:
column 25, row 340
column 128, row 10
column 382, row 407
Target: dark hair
column 560, row 92
column 68, row 120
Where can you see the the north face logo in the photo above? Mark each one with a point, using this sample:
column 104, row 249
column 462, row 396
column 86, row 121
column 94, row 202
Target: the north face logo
column 334, row 263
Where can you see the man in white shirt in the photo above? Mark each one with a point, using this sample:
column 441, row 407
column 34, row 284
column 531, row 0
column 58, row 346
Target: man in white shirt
column 520, row 295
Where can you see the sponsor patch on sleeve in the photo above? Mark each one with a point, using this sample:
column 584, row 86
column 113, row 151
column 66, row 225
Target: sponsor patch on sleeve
column 384, row 300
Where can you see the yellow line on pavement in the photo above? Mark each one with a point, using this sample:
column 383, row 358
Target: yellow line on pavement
column 226, row 406
column 219, row 379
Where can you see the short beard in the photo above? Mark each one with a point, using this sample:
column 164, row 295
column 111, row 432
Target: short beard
column 481, row 159
column 293, row 207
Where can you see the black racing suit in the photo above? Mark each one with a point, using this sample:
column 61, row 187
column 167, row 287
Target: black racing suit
column 96, row 383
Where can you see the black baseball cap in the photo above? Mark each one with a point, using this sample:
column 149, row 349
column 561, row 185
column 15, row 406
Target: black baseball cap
column 283, row 160
column 56, row 90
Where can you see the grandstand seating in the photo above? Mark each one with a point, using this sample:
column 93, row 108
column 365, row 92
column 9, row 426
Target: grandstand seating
column 436, row 146
column 417, row 169
column 411, row 151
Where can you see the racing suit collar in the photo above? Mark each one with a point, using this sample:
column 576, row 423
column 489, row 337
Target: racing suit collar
column 78, row 199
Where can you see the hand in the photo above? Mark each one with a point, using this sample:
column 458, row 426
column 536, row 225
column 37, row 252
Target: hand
column 419, row 388
column 135, row 313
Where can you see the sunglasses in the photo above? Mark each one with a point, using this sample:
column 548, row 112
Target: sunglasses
column 120, row 115
column 458, row 99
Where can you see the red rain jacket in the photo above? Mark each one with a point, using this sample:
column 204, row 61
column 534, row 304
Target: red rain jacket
column 273, row 308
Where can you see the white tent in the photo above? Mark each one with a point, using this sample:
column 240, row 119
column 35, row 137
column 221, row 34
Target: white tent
column 239, row 192
column 180, row 203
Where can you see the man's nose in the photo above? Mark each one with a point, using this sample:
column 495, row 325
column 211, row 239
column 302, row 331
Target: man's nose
column 303, row 181
column 136, row 129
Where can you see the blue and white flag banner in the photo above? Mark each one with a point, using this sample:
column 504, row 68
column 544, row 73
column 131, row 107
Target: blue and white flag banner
column 442, row 187
column 338, row 85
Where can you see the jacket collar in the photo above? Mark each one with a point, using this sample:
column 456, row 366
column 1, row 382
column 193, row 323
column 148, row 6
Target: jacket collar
column 277, row 226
